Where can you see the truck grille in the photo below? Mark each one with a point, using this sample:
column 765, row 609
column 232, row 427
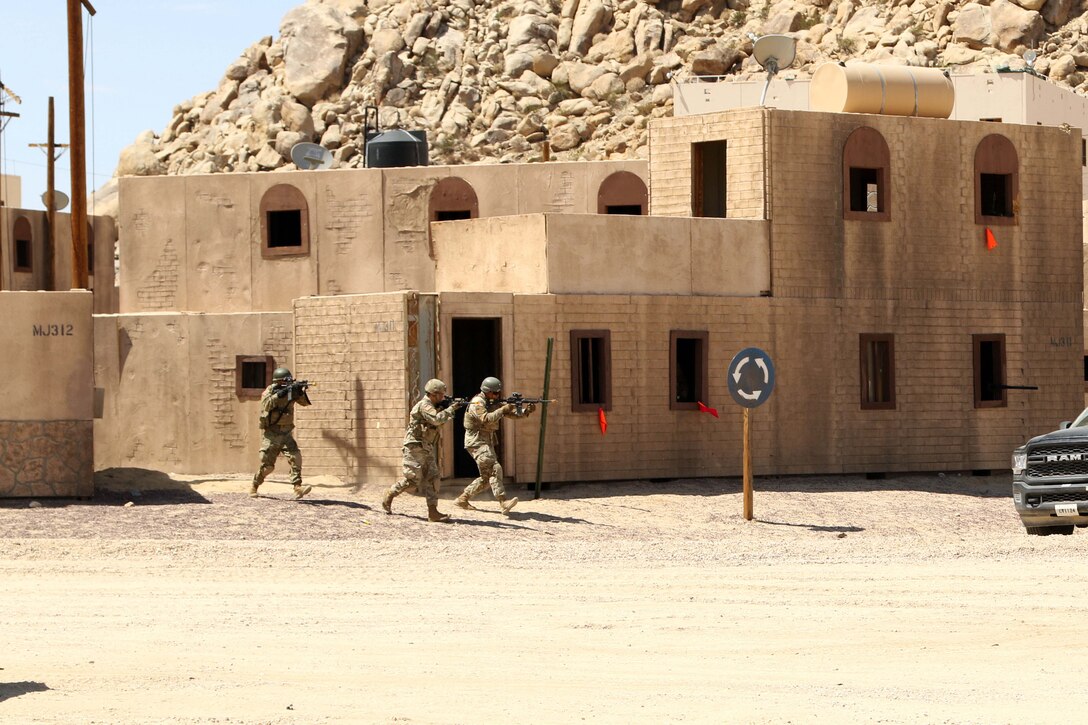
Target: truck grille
column 1040, row 467
column 1064, row 497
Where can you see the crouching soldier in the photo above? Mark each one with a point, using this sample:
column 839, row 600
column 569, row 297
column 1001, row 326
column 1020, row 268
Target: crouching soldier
column 482, row 420
column 277, row 421
column 421, row 449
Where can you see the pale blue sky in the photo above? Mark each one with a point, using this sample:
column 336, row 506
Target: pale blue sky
column 145, row 56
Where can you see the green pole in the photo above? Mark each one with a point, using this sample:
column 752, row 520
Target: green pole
column 543, row 418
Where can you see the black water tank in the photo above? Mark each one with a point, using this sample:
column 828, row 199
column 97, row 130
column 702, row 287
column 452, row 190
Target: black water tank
column 397, row 148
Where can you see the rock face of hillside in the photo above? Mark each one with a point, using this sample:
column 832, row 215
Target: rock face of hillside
column 490, row 80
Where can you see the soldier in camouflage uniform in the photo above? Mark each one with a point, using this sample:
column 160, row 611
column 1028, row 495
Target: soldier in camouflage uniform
column 482, row 420
column 420, row 468
column 277, row 421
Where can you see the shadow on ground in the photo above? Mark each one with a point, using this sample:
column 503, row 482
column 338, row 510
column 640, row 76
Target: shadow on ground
column 9, row 690
column 996, row 485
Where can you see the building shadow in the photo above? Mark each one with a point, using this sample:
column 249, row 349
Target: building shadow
column 9, row 690
column 119, row 486
column 995, row 485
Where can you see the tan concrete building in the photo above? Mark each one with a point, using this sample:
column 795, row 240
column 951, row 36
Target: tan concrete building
column 24, row 254
column 46, row 412
column 852, row 248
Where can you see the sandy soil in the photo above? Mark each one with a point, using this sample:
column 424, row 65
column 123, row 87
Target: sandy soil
column 910, row 599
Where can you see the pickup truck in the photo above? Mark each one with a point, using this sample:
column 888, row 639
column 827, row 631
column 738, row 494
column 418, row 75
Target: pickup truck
column 1050, row 479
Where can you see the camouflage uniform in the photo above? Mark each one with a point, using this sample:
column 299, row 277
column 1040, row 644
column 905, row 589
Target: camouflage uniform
column 277, row 421
column 482, row 421
column 420, row 468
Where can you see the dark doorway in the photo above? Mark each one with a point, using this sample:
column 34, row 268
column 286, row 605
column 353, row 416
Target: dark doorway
column 475, row 353
column 708, row 179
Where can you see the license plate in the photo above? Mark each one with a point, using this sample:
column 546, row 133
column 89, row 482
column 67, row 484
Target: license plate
column 1066, row 509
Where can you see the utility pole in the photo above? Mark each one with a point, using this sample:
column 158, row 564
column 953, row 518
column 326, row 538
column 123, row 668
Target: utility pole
column 77, row 139
column 51, row 205
column 5, row 117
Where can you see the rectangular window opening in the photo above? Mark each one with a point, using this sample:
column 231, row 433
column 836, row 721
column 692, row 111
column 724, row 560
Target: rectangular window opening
column 253, row 373
column 989, row 367
column 688, row 369
column 865, row 189
column 628, row 209
column 996, row 191
column 877, row 371
column 23, row 259
column 285, row 228
column 991, row 120
column 1083, row 152
column 591, row 370
column 708, row 179
column 452, row 215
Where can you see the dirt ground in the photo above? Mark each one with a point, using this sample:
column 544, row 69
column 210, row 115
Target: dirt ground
column 181, row 600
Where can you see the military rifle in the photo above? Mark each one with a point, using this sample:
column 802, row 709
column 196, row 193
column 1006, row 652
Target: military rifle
column 518, row 400
column 448, row 401
column 292, row 389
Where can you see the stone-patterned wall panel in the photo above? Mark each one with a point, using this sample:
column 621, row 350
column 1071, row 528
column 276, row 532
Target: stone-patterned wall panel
column 46, row 458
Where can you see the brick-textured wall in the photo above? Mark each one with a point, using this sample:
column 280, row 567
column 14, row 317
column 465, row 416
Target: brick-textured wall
column 355, row 349
column 671, row 140
column 813, row 422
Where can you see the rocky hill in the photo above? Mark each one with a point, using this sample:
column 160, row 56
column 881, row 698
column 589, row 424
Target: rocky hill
column 489, row 80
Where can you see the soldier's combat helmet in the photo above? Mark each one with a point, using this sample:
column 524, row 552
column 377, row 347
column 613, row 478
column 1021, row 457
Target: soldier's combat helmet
column 434, row 385
column 491, row 385
column 281, row 374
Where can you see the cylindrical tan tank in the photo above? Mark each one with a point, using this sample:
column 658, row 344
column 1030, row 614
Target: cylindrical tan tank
column 893, row 90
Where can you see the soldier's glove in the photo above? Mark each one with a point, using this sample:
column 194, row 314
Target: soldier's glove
column 530, row 407
column 508, row 408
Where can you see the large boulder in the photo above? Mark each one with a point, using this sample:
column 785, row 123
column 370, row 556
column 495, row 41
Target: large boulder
column 1014, row 26
column 318, row 42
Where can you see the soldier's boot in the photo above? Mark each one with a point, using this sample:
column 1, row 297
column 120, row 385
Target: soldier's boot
column 301, row 490
column 387, row 501
column 253, row 489
column 462, row 502
column 506, row 503
column 433, row 514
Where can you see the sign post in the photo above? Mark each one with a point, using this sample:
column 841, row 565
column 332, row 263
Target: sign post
column 751, row 380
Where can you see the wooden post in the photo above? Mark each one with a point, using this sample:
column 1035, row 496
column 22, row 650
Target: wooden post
column 51, row 206
column 77, row 139
column 543, row 418
column 747, row 467
column 50, row 199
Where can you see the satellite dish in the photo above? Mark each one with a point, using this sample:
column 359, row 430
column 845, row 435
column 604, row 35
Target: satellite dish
column 1030, row 56
column 309, row 156
column 58, row 201
column 774, row 52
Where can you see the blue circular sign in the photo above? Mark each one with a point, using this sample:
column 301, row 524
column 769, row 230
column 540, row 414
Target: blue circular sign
column 751, row 377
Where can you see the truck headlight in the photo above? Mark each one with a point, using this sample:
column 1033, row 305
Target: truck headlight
column 1019, row 462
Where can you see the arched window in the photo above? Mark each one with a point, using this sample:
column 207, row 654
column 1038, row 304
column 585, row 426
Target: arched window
column 24, row 245
column 285, row 222
column 997, row 181
column 866, row 176
column 622, row 193
column 453, row 198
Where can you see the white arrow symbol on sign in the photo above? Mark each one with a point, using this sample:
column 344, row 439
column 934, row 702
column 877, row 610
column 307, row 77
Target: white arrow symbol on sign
column 749, row 396
column 736, row 370
column 766, row 374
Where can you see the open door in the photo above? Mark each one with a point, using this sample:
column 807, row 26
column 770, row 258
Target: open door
column 475, row 353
